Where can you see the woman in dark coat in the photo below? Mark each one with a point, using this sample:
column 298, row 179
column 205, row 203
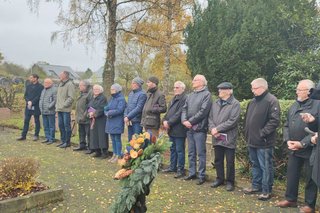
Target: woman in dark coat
column 98, row 137
column 114, row 112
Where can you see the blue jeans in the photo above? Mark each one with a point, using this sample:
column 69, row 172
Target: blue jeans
column 135, row 128
column 49, row 126
column 65, row 126
column 116, row 144
column 27, row 117
column 197, row 146
column 177, row 153
column 262, row 168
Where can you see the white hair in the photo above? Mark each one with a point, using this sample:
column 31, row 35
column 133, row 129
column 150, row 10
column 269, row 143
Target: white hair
column 260, row 82
column 309, row 84
column 181, row 84
column 202, row 78
column 98, row 87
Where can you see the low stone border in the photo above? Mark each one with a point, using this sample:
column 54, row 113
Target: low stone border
column 31, row 200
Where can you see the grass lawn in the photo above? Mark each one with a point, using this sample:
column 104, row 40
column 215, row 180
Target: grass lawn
column 89, row 187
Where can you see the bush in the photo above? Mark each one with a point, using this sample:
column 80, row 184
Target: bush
column 280, row 151
column 18, row 174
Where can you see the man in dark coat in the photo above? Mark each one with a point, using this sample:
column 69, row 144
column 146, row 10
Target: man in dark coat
column 300, row 148
column 261, row 121
column 176, row 130
column 82, row 117
column 154, row 106
column 32, row 97
column 194, row 117
column 223, row 126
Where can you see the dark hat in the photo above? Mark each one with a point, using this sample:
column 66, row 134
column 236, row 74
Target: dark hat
column 154, row 79
column 138, row 81
column 225, row 85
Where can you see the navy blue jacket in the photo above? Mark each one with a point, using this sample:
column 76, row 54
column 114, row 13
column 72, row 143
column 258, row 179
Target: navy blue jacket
column 136, row 100
column 33, row 93
column 115, row 114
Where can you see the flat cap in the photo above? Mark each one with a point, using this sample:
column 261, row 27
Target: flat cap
column 225, row 85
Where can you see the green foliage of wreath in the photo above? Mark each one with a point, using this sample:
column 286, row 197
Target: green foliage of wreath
column 145, row 170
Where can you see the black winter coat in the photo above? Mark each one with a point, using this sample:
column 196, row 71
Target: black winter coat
column 173, row 116
column 33, row 93
column 294, row 127
column 262, row 120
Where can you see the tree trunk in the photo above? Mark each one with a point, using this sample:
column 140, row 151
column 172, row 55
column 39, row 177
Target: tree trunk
column 167, row 49
column 108, row 70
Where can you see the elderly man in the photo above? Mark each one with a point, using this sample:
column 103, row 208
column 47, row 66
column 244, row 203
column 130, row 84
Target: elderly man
column 65, row 98
column 154, row 106
column 261, row 121
column 176, row 131
column 47, row 107
column 194, row 117
column 223, row 125
column 300, row 148
column 136, row 100
column 82, row 117
column 32, row 97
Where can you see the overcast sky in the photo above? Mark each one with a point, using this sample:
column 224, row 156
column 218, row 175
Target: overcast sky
column 25, row 38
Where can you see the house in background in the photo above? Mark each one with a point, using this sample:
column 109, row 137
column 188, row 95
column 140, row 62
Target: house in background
column 53, row 71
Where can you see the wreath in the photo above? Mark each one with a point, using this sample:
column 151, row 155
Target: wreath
column 139, row 167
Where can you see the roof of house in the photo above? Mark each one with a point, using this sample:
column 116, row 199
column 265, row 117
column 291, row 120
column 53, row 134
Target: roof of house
column 55, row 70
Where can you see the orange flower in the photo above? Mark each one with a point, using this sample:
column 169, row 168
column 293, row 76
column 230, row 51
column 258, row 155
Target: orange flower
column 133, row 154
column 132, row 142
column 136, row 146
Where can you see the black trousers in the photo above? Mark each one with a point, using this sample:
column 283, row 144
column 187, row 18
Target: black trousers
column 220, row 152
column 295, row 165
column 84, row 135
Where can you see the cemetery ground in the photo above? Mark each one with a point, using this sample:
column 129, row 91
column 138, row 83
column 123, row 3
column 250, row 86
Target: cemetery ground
column 89, row 186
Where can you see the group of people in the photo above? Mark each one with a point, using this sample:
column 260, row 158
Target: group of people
column 187, row 116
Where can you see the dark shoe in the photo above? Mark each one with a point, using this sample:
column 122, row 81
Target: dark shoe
column 216, row 183
column 306, row 209
column 45, row 141
column 50, row 142
column 190, row 177
column 104, row 155
column 97, row 154
column 65, row 145
column 264, row 197
column 229, row 187
column 80, row 149
column 21, row 139
column 35, row 138
column 60, row 144
column 250, row 190
column 286, row 203
column 179, row 175
column 169, row 170
column 201, row 181
column 89, row 152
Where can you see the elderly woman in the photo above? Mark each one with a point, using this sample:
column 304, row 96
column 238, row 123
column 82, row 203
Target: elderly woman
column 98, row 139
column 114, row 112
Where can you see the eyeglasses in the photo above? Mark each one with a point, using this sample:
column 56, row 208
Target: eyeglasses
column 301, row 90
column 255, row 88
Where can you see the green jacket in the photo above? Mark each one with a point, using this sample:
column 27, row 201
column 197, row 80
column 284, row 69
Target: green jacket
column 65, row 96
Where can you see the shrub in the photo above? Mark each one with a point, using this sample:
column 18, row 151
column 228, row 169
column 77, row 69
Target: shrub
column 280, row 151
column 18, row 173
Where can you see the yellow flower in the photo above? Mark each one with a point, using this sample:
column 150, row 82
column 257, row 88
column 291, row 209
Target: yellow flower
column 140, row 140
column 136, row 146
column 146, row 135
column 133, row 154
